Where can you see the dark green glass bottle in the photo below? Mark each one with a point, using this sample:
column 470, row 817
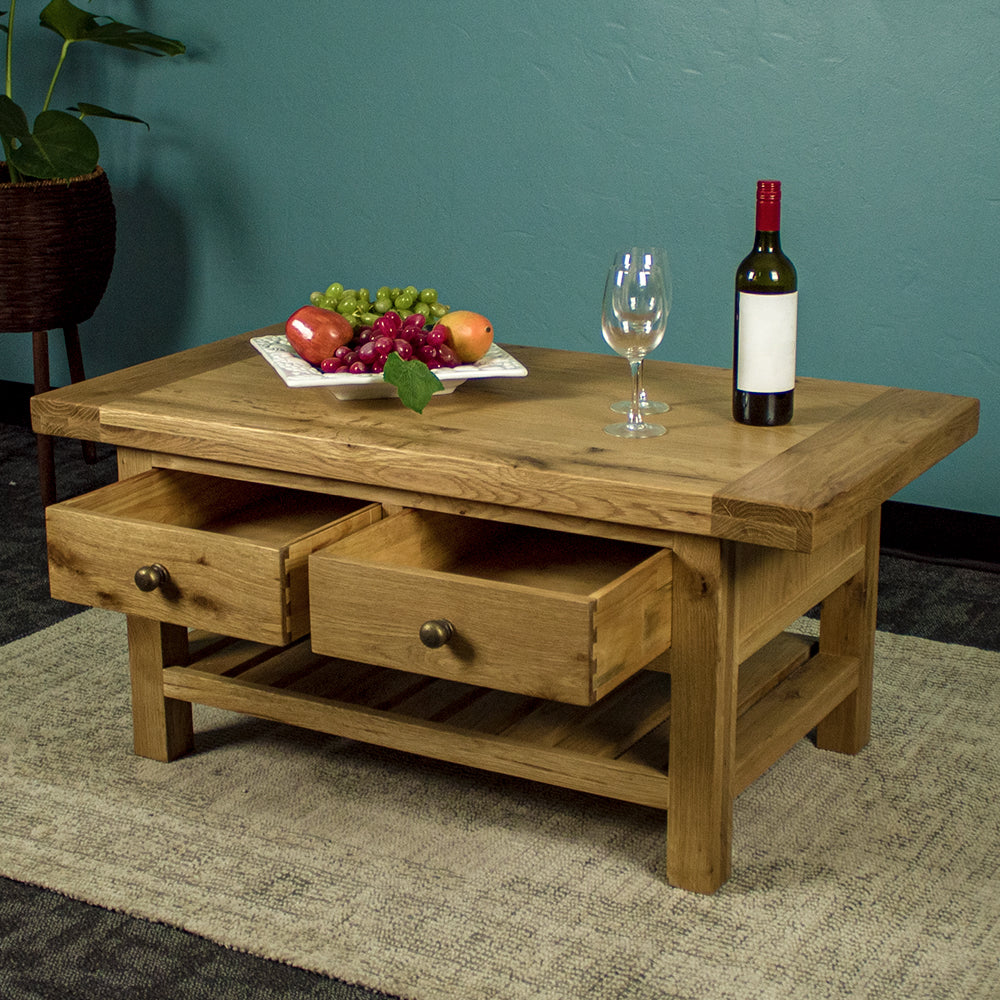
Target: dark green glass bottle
column 765, row 324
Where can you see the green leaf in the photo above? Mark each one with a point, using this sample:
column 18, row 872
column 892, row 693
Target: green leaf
column 96, row 111
column 13, row 121
column 415, row 382
column 61, row 146
column 76, row 25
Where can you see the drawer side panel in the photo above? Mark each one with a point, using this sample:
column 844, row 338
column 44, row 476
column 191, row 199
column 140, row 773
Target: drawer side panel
column 297, row 563
column 632, row 621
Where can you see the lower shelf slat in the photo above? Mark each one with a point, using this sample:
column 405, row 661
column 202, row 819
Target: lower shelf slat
column 618, row 748
column 773, row 725
column 600, row 776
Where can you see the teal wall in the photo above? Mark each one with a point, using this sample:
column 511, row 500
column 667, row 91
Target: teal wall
column 501, row 151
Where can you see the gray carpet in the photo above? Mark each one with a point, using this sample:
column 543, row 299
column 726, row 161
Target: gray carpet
column 873, row 875
column 51, row 946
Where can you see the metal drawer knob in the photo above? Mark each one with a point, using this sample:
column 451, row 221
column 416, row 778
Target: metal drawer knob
column 436, row 633
column 148, row 578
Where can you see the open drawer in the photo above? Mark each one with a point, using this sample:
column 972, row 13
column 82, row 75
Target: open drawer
column 195, row 550
column 544, row 613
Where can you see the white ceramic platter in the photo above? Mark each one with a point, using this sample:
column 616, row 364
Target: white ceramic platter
column 296, row 372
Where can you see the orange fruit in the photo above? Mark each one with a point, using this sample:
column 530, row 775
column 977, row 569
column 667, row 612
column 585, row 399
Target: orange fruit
column 469, row 334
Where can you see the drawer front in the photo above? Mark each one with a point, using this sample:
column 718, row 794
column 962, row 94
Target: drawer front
column 235, row 555
column 525, row 625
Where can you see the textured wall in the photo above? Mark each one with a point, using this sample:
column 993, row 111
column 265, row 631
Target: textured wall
column 501, row 151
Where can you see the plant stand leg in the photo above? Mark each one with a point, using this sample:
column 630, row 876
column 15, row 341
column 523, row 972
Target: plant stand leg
column 42, row 383
column 74, row 355
column 46, row 455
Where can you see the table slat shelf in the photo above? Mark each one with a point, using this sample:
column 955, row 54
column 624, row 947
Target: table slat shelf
column 617, row 748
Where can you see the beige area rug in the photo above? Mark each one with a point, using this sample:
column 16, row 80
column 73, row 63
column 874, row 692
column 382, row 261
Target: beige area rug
column 871, row 876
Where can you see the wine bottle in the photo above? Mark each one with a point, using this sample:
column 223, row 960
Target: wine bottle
column 765, row 326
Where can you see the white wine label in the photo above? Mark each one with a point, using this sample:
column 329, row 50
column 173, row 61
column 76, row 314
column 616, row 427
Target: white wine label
column 766, row 342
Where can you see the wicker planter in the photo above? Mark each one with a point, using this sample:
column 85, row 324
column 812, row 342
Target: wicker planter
column 57, row 248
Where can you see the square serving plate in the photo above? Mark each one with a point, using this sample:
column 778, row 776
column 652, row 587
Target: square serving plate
column 296, row 372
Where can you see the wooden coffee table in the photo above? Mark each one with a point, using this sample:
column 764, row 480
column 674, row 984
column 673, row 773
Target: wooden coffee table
column 496, row 582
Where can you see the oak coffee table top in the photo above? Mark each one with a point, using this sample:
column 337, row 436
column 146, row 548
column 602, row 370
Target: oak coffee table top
column 537, row 443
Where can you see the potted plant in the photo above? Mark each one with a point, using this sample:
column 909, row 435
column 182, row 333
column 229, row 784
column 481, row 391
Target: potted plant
column 57, row 219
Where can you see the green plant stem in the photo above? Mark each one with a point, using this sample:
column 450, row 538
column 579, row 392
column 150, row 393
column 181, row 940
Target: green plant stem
column 10, row 44
column 55, row 75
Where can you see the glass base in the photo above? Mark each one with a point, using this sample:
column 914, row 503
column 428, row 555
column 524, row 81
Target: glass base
column 642, row 430
column 647, row 406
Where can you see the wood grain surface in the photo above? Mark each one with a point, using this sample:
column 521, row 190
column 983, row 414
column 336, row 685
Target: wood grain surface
column 537, row 443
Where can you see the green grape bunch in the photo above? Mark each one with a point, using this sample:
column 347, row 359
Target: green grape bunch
column 358, row 306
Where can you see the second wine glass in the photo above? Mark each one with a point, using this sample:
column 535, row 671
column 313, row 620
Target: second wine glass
column 646, row 404
column 636, row 304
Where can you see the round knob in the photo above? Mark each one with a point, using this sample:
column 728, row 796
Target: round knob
column 436, row 632
column 148, row 578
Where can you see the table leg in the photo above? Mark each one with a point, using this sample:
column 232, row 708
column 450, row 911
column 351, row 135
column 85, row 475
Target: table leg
column 162, row 727
column 703, row 693
column 847, row 628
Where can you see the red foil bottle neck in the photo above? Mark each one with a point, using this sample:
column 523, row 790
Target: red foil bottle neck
column 768, row 206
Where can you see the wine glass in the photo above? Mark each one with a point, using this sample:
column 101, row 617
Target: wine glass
column 633, row 320
column 646, row 404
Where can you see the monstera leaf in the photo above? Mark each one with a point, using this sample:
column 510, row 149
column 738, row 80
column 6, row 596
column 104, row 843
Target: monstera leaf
column 60, row 145
column 76, row 25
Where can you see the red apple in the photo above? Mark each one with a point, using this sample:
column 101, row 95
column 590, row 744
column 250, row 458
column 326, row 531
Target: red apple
column 316, row 333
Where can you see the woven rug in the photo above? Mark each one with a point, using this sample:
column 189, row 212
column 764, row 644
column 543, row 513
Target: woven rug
column 867, row 876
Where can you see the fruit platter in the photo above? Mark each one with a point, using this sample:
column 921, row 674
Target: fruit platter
column 296, row 372
column 403, row 343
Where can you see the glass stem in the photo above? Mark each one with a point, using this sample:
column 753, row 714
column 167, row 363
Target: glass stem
column 635, row 410
column 642, row 388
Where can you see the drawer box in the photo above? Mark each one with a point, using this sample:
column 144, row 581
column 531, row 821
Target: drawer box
column 235, row 554
column 545, row 613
